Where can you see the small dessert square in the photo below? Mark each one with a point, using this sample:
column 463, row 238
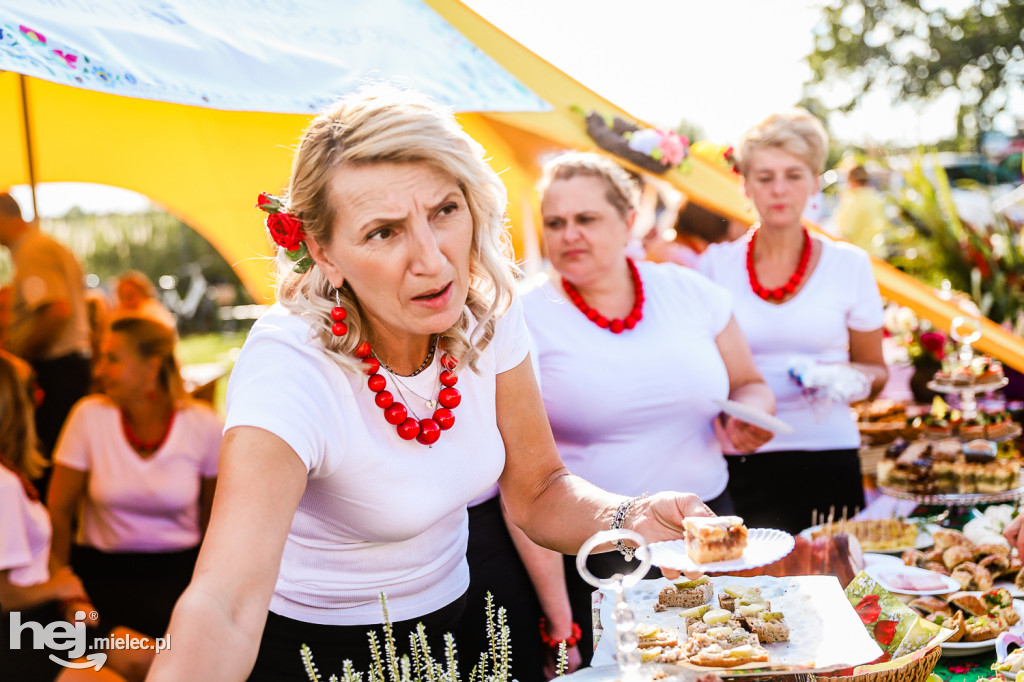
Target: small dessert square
column 714, row 538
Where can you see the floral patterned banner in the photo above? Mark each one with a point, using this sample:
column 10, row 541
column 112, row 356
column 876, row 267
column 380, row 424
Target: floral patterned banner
column 281, row 56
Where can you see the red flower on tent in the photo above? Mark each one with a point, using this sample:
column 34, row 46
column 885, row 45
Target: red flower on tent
column 885, row 630
column 868, row 609
column 286, row 230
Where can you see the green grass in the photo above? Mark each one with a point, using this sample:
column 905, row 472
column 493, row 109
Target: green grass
column 219, row 348
column 200, row 348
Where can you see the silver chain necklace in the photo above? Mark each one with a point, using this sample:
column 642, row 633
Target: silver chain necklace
column 431, row 403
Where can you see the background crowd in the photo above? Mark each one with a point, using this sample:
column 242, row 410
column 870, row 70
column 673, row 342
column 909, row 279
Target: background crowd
column 352, row 464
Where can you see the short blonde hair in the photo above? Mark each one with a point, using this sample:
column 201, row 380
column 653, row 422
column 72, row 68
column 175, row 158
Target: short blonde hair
column 795, row 131
column 385, row 125
column 623, row 192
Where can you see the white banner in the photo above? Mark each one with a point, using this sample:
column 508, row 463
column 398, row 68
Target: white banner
column 284, row 56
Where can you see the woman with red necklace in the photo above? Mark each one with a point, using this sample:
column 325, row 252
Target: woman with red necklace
column 797, row 295
column 631, row 355
column 140, row 461
column 390, row 386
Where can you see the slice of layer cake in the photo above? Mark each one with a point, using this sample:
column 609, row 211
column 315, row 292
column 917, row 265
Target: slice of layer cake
column 714, row 538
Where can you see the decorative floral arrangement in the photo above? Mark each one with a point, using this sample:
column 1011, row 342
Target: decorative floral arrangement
column 925, row 345
column 286, row 231
column 720, row 154
column 653, row 150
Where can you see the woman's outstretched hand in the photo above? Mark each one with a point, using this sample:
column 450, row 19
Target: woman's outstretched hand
column 660, row 517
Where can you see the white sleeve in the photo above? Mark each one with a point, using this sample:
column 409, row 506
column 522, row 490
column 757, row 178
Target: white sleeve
column 511, row 338
column 15, row 550
column 279, row 386
column 867, row 313
column 73, row 448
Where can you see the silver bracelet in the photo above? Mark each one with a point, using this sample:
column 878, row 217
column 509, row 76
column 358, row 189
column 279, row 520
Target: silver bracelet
column 619, row 519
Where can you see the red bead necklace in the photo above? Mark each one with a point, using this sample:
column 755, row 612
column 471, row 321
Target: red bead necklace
column 428, row 430
column 615, row 326
column 778, row 293
column 137, row 443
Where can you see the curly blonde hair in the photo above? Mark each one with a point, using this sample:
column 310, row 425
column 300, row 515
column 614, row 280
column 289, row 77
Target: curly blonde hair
column 795, row 131
column 385, row 125
column 623, row 192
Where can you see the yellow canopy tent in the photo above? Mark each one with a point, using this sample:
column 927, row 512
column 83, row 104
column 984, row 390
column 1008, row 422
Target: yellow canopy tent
column 206, row 165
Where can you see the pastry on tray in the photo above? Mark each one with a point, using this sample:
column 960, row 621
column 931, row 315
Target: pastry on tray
column 710, row 539
column 950, row 621
column 724, row 648
column 769, row 626
column 981, row 628
column 653, row 636
column 687, row 594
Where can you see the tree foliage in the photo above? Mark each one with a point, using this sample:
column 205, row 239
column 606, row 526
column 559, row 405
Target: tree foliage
column 919, row 49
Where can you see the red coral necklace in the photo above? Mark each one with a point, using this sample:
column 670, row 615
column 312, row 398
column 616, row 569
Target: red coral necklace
column 778, row 293
column 614, row 326
column 428, row 430
column 145, row 446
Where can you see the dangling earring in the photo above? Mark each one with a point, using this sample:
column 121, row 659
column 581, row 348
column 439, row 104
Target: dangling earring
column 338, row 314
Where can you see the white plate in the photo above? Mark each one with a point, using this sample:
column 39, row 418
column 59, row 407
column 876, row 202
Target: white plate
column 924, row 539
column 970, row 648
column 1009, row 586
column 764, row 545
column 873, row 559
column 754, row 416
column 883, row 574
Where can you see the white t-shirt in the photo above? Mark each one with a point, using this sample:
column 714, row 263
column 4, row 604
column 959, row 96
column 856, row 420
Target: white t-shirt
column 840, row 295
column 24, row 534
column 379, row 514
column 134, row 504
column 632, row 412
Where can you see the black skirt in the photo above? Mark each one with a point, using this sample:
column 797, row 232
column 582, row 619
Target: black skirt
column 134, row 589
column 280, row 660
column 782, row 489
column 495, row 567
column 23, row 662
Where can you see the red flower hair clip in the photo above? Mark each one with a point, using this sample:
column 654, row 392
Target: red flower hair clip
column 286, row 231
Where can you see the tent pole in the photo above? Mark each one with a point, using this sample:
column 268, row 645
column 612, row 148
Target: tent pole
column 28, row 148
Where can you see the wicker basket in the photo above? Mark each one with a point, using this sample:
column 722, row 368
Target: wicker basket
column 915, row 671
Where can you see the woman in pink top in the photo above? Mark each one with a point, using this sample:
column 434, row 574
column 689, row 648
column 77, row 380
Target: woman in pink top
column 140, row 461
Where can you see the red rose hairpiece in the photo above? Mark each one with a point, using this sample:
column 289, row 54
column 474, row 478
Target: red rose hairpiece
column 286, row 230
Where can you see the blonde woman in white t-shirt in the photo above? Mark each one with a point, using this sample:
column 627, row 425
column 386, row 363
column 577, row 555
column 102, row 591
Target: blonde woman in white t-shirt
column 136, row 467
column 797, row 295
column 350, row 454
